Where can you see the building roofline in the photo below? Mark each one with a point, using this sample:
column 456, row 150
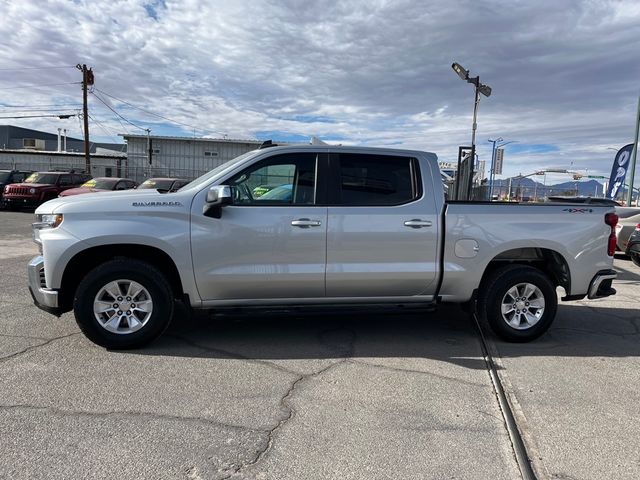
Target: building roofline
column 194, row 139
column 55, row 153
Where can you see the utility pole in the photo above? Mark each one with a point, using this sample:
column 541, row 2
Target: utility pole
column 87, row 79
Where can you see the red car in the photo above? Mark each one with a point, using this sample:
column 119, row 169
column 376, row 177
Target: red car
column 40, row 187
column 164, row 185
column 101, row 184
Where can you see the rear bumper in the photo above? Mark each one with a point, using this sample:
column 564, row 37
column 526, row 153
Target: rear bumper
column 44, row 298
column 600, row 285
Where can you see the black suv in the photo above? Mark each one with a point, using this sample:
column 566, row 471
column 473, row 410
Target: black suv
column 11, row 176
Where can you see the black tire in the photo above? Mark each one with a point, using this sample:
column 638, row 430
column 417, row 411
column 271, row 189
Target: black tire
column 142, row 273
column 635, row 258
column 494, row 289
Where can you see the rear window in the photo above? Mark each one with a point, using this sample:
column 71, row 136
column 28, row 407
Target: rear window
column 376, row 180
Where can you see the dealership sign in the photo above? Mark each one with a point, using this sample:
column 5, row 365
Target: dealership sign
column 619, row 171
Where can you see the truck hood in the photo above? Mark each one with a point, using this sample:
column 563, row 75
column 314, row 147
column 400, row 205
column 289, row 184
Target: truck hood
column 82, row 191
column 118, row 201
column 32, row 185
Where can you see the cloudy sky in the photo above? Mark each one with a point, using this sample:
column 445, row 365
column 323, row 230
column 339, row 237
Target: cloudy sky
column 565, row 74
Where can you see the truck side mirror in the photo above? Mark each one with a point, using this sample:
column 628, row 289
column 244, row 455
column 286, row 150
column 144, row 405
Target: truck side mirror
column 217, row 197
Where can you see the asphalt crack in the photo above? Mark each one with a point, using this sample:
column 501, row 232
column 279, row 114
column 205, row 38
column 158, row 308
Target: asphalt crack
column 233, row 355
column 290, row 413
column 130, row 414
column 31, row 348
column 345, row 349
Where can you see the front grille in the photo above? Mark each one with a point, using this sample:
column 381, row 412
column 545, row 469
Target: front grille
column 18, row 190
column 43, row 283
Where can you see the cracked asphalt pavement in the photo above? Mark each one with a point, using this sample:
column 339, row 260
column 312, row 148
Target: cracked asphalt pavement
column 366, row 396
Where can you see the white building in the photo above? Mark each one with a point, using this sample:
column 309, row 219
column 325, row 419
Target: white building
column 183, row 157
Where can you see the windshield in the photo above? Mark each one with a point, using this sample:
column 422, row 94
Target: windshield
column 101, row 183
column 219, row 169
column 4, row 176
column 157, row 184
column 46, row 178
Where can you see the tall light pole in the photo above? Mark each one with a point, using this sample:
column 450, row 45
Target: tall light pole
column 479, row 89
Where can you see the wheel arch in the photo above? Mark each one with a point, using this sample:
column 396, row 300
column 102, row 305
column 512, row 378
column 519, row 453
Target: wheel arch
column 86, row 260
column 548, row 261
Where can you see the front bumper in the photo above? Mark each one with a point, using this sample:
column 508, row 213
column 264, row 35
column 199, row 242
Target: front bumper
column 43, row 297
column 20, row 201
column 600, row 285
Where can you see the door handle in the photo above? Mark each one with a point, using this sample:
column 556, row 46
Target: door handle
column 306, row 223
column 417, row 223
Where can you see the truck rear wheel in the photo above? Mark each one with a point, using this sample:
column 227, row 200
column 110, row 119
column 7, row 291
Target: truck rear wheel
column 519, row 303
column 123, row 304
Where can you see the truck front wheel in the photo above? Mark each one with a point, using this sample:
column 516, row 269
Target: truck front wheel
column 123, row 303
column 519, row 303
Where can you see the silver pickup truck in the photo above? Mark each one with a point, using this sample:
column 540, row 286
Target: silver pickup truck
column 310, row 226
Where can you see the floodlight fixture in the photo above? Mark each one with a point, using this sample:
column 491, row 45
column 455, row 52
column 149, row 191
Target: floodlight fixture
column 484, row 89
column 459, row 69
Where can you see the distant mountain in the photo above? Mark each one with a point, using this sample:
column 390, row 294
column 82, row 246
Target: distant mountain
column 529, row 187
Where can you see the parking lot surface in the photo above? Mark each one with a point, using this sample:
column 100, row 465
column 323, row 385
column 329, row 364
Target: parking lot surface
column 367, row 396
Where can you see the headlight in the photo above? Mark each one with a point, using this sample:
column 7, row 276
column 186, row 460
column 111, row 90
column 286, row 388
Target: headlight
column 47, row 221
column 32, row 191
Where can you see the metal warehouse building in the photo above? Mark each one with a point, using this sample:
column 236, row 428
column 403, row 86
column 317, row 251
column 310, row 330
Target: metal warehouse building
column 107, row 164
column 183, row 157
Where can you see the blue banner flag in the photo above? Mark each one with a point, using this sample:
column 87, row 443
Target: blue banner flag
column 619, row 171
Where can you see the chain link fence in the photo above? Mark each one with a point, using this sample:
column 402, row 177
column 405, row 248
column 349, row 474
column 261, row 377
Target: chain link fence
column 116, row 168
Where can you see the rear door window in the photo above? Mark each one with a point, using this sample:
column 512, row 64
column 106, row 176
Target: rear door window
column 369, row 180
column 65, row 180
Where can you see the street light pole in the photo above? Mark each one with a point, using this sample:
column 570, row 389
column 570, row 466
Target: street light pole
column 632, row 166
column 479, row 89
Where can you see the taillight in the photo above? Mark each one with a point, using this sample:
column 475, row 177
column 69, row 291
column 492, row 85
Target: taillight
column 611, row 219
column 638, row 227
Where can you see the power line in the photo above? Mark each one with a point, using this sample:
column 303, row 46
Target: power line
column 104, row 129
column 39, row 86
column 43, row 105
column 61, row 116
column 37, row 110
column 43, row 67
column 120, row 116
column 146, row 111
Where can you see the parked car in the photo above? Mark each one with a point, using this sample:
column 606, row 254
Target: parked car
column 628, row 218
column 11, row 176
column 40, row 187
column 369, row 227
column 101, row 184
column 633, row 246
column 163, row 185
